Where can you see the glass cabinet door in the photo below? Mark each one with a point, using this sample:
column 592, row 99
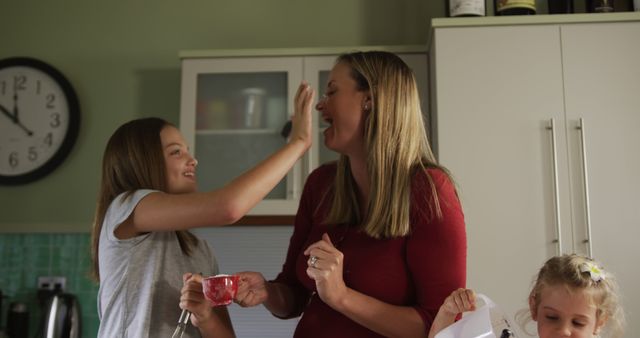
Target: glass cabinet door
column 316, row 72
column 233, row 110
column 232, row 113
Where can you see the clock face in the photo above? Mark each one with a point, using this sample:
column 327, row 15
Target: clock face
column 39, row 119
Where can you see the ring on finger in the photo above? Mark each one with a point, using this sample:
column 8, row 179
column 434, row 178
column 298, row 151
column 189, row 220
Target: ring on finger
column 313, row 260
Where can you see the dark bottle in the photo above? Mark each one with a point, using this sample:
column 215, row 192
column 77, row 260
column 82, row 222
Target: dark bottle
column 624, row 6
column 465, row 8
column 515, row 7
column 560, row 6
column 599, row 6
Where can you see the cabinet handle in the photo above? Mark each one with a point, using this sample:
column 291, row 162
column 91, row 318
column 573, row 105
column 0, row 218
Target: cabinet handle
column 585, row 182
column 556, row 192
column 286, row 129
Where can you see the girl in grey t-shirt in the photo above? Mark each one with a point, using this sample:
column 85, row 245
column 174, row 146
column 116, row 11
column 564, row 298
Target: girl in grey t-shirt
column 147, row 202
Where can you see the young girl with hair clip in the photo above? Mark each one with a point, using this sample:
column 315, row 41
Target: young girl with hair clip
column 572, row 296
column 141, row 246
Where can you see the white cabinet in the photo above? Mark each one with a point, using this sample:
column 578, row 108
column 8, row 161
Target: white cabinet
column 232, row 111
column 235, row 103
column 530, row 192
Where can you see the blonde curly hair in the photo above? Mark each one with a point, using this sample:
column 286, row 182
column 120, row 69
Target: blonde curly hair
column 578, row 273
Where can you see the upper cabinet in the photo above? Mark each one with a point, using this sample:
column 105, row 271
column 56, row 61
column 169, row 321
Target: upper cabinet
column 539, row 125
column 234, row 105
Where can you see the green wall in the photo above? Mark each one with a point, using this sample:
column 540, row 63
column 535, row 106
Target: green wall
column 122, row 59
column 25, row 257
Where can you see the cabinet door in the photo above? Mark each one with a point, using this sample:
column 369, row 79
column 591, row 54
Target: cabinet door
column 316, row 72
column 496, row 89
column 602, row 84
column 418, row 64
column 232, row 111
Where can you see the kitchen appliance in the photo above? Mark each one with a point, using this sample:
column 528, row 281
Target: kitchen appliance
column 1, row 327
column 2, row 334
column 62, row 316
column 18, row 320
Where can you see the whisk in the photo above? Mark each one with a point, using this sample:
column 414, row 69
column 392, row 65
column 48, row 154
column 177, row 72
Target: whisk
column 182, row 324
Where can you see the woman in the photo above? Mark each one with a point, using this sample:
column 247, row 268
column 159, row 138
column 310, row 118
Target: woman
column 147, row 202
column 379, row 239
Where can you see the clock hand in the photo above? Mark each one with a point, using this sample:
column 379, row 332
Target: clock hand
column 26, row 130
column 16, row 119
column 6, row 112
column 15, row 105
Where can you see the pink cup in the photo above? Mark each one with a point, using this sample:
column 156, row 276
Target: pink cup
column 220, row 289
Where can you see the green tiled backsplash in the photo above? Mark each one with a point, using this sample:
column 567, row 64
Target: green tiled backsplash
column 25, row 257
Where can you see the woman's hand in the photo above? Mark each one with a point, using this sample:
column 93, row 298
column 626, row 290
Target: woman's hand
column 301, row 119
column 459, row 301
column 325, row 268
column 192, row 299
column 252, row 289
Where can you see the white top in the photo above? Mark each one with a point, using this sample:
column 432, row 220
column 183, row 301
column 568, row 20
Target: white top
column 141, row 277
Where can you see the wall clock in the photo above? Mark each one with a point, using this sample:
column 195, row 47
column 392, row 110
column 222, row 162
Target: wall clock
column 39, row 119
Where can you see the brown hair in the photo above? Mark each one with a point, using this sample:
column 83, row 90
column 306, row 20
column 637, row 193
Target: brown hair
column 567, row 271
column 132, row 160
column 397, row 144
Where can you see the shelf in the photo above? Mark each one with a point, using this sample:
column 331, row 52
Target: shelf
column 236, row 131
column 535, row 19
column 266, row 220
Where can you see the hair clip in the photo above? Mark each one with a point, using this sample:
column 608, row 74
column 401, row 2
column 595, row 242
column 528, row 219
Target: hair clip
column 594, row 271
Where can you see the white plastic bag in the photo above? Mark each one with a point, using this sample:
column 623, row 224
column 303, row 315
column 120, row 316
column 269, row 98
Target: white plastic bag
column 487, row 321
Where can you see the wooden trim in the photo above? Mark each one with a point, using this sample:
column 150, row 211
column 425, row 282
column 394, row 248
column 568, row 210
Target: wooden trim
column 266, row 220
column 311, row 51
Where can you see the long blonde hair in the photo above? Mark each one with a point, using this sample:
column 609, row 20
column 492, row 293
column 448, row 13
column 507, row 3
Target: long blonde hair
column 567, row 271
column 397, row 149
column 132, row 160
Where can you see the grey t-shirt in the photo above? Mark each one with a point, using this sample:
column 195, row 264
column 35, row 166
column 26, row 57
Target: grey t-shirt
column 141, row 277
